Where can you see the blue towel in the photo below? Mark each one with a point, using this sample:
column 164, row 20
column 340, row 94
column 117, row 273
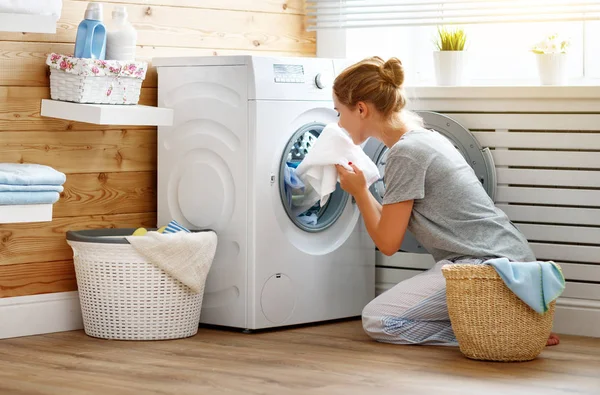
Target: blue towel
column 535, row 283
column 31, row 188
column 291, row 179
column 311, row 219
column 174, row 227
column 30, row 174
column 13, row 198
column 293, row 184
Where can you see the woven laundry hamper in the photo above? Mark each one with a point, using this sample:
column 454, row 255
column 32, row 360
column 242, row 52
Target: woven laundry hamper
column 124, row 297
column 490, row 322
column 95, row 81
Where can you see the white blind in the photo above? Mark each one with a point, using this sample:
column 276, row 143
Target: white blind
column 335, row 14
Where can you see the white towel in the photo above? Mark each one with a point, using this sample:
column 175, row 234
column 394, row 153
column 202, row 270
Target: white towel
column 185, row 256
column 37, row 7
column 333, row 147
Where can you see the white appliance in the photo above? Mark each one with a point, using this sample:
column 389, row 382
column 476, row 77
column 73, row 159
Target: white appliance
column 238, row 121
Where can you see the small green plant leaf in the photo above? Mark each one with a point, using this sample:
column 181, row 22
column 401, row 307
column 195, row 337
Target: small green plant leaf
column 450, row 39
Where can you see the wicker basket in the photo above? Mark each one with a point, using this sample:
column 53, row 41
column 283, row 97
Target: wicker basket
column 95, row 81
column 123, row 296
column 490, row 322
column 95, row 90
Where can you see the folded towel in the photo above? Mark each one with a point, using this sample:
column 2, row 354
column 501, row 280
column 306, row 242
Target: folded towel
column 38, row 7
column 535, row 283
column 185, row 256
column 31, row 188
column 13, row 198
column 333, row 147
column 30, row 174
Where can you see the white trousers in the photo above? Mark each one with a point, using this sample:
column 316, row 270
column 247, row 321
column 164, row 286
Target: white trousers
column 414, row 311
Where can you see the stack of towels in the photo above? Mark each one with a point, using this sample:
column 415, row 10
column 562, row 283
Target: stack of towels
column 34, row 7
column 25, row 183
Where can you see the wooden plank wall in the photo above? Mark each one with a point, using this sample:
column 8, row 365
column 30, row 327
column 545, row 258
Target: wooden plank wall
column 111, row 170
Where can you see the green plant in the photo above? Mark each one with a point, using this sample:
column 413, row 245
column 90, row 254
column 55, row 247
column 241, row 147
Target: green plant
column 450, row 39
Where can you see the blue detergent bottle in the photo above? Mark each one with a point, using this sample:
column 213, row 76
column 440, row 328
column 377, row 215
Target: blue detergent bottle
column 91, row 34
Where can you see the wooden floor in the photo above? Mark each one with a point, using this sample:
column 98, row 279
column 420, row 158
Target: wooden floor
column 326, row 359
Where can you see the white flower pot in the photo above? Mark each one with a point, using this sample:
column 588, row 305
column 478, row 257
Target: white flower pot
column 552, row 68
column 450, row 67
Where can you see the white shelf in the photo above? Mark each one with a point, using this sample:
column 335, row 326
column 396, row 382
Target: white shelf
column 108, row 114
column 27, row 23
column 11, row 214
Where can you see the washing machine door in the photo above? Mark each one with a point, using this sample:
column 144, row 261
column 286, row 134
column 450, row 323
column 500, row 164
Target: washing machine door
column 312, row 217
column 480, row 159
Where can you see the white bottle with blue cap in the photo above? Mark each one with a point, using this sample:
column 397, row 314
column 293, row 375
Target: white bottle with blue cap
column 91, row 34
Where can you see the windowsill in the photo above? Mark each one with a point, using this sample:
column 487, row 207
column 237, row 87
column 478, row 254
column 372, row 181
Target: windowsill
column 504, row 92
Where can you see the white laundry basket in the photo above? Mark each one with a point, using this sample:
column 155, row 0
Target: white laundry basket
column 125, row 297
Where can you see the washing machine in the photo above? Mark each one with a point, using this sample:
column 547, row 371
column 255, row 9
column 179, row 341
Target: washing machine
column 240, row 122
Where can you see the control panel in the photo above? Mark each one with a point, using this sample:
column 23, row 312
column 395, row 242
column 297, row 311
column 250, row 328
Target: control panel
column 294, row 74
column 289, row 78
column 289, row 73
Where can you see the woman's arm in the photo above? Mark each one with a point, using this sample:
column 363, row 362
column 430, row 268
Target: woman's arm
column 388, row 226
column 376, row 203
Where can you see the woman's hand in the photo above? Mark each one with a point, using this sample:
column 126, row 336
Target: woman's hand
column 352, row 182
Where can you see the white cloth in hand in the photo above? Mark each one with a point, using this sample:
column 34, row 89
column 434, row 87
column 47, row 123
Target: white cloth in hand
column 333, row 147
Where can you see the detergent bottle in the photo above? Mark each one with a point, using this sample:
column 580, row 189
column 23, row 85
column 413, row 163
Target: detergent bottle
column 91, row 34
column 121, row 37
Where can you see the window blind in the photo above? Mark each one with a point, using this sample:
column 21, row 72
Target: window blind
column 336, row 14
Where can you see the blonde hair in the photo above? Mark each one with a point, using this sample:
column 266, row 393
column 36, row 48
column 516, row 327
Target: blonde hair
column 375, row 81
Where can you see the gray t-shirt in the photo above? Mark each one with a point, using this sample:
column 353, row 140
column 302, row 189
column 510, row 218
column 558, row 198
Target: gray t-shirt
column 452, row 214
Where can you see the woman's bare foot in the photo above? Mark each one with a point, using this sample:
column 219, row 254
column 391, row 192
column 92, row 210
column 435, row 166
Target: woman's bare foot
column 553, row 340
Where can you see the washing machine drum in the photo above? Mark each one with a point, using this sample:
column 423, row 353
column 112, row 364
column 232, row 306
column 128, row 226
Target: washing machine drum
column 310, row 218
column 479, row 159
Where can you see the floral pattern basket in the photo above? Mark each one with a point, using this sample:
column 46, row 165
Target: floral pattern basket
column 95, row 81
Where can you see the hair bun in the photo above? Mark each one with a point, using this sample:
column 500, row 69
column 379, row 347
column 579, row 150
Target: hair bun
column 393, row 72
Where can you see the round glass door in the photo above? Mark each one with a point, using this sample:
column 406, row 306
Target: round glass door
column 297, row 199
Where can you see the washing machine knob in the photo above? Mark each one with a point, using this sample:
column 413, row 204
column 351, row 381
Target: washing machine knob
column 322, row 81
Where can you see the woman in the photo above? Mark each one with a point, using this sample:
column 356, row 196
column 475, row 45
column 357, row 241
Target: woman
column 431, row 191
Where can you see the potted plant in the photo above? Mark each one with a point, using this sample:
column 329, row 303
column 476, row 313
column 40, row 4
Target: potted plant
column 450, row 59
column 551, row 55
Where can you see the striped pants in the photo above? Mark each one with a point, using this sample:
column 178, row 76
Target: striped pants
column 414, row 311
